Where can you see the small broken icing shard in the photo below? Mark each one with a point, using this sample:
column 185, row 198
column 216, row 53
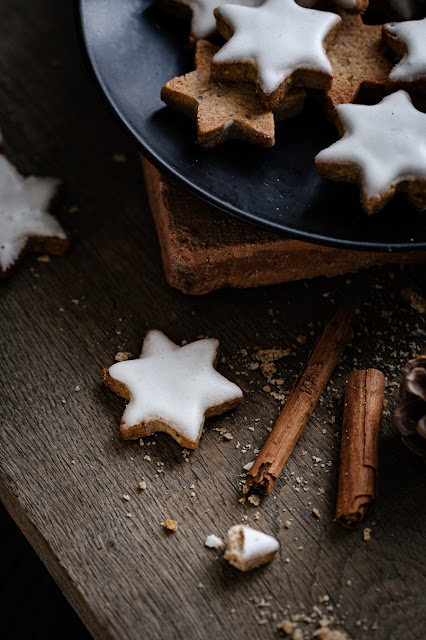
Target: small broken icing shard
column 171, row 389
column 213, row 542
column 248, row 548
column 24, row 218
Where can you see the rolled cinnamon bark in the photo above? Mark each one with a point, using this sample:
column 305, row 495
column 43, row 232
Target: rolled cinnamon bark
column 359, row 457
column 300, row 404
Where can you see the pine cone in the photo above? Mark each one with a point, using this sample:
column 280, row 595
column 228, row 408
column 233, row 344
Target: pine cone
column 410, row 414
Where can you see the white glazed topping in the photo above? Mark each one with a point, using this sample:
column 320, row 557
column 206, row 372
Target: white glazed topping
column 203, row 24
column 278, row 37
column 387, row 141
column 23, row 211
column 412, row 65
column 173, row 384
column 252, row 544
column 213, row 542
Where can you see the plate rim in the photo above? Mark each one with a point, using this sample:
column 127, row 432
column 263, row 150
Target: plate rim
column 161, row 164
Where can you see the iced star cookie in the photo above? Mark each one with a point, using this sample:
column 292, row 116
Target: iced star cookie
column 200, row 13
column 225, row 111
column 383, row 149
column 25, row 221
column 408, row 39
column 278, row 45
column 171, row 389
column 359, row 63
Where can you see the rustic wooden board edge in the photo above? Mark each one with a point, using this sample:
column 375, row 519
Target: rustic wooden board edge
column 199, row 257
column 52, row 563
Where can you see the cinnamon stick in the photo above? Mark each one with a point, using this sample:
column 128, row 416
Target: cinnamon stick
column 359, row 457
column 300, row 404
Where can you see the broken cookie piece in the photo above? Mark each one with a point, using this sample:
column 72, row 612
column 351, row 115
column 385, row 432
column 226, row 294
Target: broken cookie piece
column 25, row 220
column 248, row 548
column 225, row 111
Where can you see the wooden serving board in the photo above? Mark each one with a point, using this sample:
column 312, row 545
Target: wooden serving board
column 204, row 249
column 64, row 468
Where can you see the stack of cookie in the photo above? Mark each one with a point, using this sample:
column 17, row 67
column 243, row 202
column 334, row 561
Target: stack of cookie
column 277, row 51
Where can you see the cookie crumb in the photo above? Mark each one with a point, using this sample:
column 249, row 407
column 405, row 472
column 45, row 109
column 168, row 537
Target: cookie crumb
column 316, row 512
column 367, row 534
column 228, row 436
column 120, row 158
column 254, row 499
column 76, row 388
column 332, row 634
column 121, row 356
column 287, row 626
column 213, row 542
column 43, row 258
column 170, row 525
column 142, row 485
column 248, row 466
column 287, row 524
column 126, row 497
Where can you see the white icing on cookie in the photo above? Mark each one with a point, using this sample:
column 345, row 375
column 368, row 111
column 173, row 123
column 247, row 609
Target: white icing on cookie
column 278, row 37
column 203, row 23
column 387, row 141
column 172, row 384
column 256, row 543
column 413, row 64
column 23, row 211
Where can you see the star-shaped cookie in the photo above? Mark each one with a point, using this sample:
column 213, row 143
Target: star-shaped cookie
column 203, row 23
column 383, row 149
column 25, row 222
column 171, row 389
column 358, row 61
column 277, row 45
column 225, row 111
column 408, row 39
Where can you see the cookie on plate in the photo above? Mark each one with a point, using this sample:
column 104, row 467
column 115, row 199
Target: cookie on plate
column 225, row 111
column 408, row 40
column 171, row 389
column 277, row 46
column 383, row 149
column 359, row 63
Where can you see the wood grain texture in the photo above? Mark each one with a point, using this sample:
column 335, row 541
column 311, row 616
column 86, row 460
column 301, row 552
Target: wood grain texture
column 204, row 249
column 64, row 468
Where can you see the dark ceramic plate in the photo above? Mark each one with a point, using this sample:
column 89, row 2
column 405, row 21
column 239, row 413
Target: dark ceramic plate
column 134, row 51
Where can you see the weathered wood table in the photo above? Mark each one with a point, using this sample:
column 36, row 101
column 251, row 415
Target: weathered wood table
column 64, row 468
